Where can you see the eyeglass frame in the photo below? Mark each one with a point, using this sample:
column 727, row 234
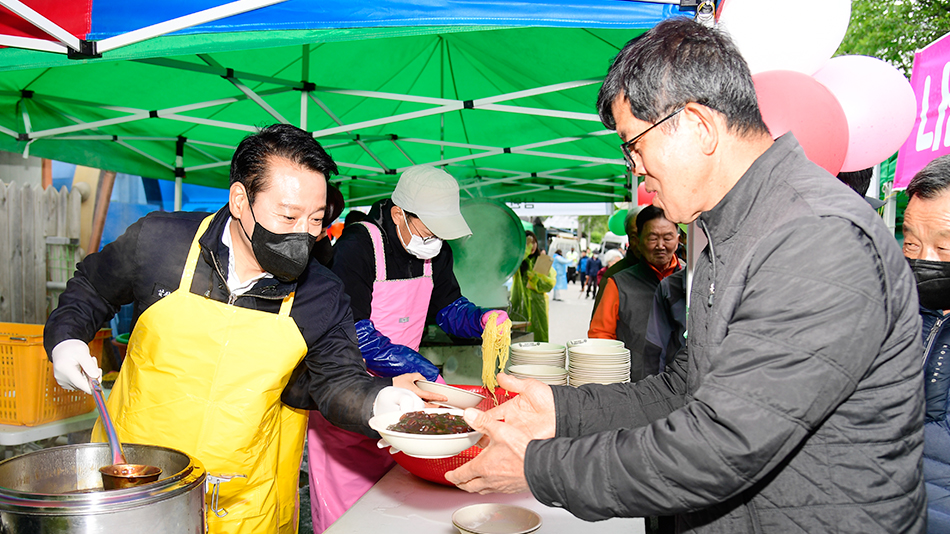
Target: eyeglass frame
column 626, row 146
column 406, row 216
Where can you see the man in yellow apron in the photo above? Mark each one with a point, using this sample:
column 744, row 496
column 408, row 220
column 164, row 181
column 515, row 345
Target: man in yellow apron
column 230, row 316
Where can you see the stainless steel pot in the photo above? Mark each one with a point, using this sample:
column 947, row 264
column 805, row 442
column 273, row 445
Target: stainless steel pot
column 59, row 490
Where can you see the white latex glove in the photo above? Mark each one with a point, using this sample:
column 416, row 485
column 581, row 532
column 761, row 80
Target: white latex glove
column 70, row 359
column 393, row 399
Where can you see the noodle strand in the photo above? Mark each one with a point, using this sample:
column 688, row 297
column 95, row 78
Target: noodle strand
column 496, row 339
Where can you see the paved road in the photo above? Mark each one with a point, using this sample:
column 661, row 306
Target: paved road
column 570, row 317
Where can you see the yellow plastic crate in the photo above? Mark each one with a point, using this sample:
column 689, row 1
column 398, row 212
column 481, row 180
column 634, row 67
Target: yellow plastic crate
column 29, row 395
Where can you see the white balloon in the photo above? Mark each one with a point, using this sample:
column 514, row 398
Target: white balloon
column 781, row 35
column 878, row 102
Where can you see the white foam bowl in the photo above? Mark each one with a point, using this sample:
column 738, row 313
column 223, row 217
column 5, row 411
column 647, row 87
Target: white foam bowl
column 422, row 445
column 594, row 342
column 457, row 397
column 493, row 518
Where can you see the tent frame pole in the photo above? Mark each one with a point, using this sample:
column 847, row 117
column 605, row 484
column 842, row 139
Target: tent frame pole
column 29, row 43
column 49, row 27
column 201, row 17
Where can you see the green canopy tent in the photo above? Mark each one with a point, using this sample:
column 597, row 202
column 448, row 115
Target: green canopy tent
column 500, row 94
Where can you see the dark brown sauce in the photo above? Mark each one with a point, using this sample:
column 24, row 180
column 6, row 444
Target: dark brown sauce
column 431, row 424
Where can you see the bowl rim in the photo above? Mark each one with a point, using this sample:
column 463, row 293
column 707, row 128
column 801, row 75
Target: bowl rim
column 425, row 437
column 535, row 346
column 537, row 516
column 438, row 386
column 520, row 369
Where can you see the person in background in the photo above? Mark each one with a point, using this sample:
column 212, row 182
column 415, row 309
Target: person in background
column 572, row 267
column 797, row 405
column 560, row 264
column 629, row 259
column 397, row 271
column 323, row 249
column 353, row 217
column 582, row 269
column 666, row 328
column 681, row 248
column 236, row 332
column 593, row 267
column 528, row 291
column 927, row 248
column 627, row 298
column 611, row 258
column 859, row 181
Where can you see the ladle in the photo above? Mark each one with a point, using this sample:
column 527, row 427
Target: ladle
column 120, row 474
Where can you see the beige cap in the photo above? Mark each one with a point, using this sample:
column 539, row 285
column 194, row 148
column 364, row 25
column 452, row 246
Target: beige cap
column 433, row 195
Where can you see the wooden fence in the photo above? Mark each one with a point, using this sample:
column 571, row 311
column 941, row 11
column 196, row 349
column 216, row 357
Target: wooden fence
column 39, row 249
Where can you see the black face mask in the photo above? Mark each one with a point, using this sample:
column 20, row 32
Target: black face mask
column 283, row 255
column 933, row 283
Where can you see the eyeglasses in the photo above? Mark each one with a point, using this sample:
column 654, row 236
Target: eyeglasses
column 627, row 146
column 425, row 240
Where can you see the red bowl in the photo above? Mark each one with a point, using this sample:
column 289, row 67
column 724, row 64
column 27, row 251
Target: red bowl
column 434, row 470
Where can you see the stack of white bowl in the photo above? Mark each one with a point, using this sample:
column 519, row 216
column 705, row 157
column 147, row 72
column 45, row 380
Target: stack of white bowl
column 537, row 353
column 598, row 361
column 538, row 360
column 549, row 374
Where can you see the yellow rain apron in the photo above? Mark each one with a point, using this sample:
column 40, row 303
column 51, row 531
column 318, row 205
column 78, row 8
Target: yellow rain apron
column 205, row 378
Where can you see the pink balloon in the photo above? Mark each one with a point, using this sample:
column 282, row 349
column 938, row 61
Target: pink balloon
column 794, row 102
column 878, row 102
column 644, row 198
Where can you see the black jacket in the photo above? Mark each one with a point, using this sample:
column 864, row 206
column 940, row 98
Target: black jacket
column 797, row 406
column 636, row 287
column 145, row 264
column 936, row 338
column 354, row 263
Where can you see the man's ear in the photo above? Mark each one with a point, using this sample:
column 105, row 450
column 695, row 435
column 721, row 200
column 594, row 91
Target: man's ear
column 237, row 200
column 707, row 125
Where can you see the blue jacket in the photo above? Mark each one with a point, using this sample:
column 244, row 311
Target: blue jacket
column 593, row 265
column 560, row 267
column 936, row 336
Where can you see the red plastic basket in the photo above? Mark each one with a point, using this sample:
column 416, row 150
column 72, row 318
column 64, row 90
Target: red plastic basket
column 434, row 470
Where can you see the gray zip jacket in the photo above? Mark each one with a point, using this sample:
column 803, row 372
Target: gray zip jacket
column 797, row 407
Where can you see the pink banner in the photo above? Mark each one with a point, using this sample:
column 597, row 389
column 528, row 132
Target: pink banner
column 931, row 135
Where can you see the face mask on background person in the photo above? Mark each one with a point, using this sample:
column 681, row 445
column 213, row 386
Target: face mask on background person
column 424, row 249
column 283, row 255
column 933, row 283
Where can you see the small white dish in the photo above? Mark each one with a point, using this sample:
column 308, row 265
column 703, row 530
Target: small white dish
column 457, row 397
column 492, row 518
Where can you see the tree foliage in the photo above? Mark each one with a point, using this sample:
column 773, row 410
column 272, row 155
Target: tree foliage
column 893, row 30
column 594, row 226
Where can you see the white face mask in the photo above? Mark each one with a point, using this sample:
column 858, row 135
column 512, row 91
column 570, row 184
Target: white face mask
column 424, row 249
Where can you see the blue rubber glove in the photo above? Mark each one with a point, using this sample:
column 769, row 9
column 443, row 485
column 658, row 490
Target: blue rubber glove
column 461, row 318
column 389, row 359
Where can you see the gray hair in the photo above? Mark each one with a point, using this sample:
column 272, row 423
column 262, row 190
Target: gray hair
column 677, row 62
column 612, row 255
column 931, row 181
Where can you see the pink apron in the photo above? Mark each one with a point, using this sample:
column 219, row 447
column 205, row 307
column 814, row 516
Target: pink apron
column 344, row 465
